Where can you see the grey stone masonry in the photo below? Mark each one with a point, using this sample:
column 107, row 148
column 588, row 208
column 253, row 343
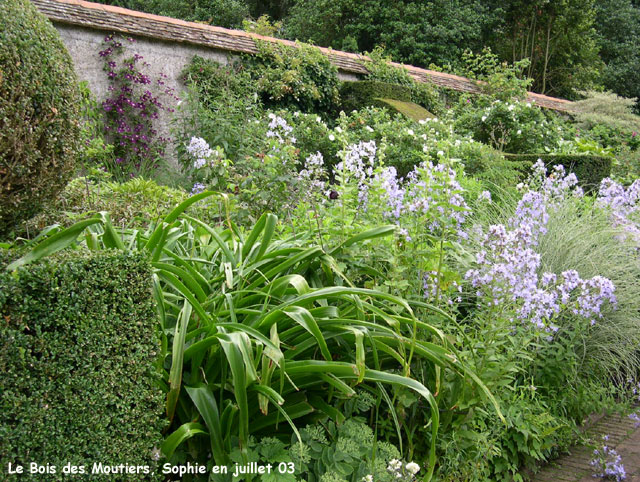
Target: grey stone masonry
column 173, row 32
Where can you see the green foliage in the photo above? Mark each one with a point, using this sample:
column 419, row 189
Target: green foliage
column 589, row 169
column 222, row 13
column 381, row 70
column 312, row 135
column 416, row 33
column 609, row 120
column 558, row 38
column 95, row 152
column 79, row 346
column 221, row 107
column 489, row 166
column 496, row 79
column 136, row 202
column 618, row 27
column 270, row 344
column 262, row 26
column 39, row 111
column 329, row 451
column 362, row 93
column 299, row 78
column 606, row 108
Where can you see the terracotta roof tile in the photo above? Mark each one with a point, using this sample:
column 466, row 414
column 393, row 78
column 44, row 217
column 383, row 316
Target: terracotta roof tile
column 110, row 18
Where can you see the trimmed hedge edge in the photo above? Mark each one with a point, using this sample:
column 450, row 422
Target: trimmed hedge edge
column 78, row 345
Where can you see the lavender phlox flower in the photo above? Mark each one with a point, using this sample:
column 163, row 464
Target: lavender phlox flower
column 279, row 129
column 358, row 161
column 199, row 149
column 433, row 191
column 394, row 192
column 484, row 196
column 636, row 418
column 624, row 205
column 508, row 267
column 198, row 187
column 430, row 284
column 405, row 233
column 607, row 463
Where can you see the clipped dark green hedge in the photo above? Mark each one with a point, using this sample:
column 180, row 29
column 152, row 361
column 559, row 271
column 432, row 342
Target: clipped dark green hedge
column 39, row 113
column 362, row 93
column 589, row 169
column 78, row 344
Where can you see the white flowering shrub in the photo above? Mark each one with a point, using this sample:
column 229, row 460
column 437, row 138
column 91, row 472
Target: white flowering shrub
column 511, row 126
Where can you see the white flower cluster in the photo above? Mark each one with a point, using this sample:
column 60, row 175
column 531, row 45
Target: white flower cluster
column 402, row 472
column 279, row 129
column 199, row 149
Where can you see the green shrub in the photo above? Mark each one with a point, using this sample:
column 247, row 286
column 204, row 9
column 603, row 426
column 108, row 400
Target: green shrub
column 516, row 127
column 357, row 94
column 39, row 110
column 589, row 169
column 136, row 202
column 221, row 108
column 78, row 344
column 381, row 70
column 299, row 78
column 610, row 121
column 490, row 166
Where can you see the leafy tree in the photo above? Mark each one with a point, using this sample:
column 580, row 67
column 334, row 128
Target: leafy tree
column 618, row 27
column 418, row 33
column 558, row 38
column 39, row 109
column 223, row 13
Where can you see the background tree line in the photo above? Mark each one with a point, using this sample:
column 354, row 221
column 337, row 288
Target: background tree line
column 572, row 45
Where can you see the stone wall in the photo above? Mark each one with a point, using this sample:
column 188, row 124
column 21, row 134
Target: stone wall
column 169, row 58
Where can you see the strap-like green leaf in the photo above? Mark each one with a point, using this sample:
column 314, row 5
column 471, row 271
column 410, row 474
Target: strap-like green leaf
column 205, row 402
column 54, row 243
column 184, row 432
column 175, row 374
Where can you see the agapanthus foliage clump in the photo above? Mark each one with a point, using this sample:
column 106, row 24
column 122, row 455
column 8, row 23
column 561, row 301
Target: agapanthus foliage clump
column 508, row 267
column 132, row 109
column 607, row 463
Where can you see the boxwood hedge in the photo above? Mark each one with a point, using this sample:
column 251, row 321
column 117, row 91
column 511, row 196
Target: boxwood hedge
column 39, row 113
column 78, row 343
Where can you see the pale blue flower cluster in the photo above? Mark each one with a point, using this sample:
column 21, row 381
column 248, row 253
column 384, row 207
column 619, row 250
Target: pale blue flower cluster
column 358, row 162
column 624, row 204
column 433, row 191
column 508, row 267
column 607, row 463
column 314, row 172
column 198, row 187
column 279, row 129
column 199, row 149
